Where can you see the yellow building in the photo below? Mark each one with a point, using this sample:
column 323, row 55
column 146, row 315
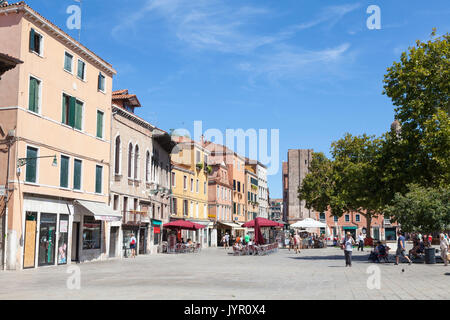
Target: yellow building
column 190, row 187
column 251, row 189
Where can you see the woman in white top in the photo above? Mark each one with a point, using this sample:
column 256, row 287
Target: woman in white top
column 444, row 248
column 348, row 248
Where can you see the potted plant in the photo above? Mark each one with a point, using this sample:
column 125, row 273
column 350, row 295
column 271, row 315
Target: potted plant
column 209, row 169
column 199, row 166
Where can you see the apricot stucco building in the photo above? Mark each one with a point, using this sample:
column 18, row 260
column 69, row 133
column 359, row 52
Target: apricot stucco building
column 55, row 113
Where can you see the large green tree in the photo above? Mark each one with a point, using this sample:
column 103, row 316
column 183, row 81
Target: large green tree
column 351, row 182
column 423, row 209
column 419, row 86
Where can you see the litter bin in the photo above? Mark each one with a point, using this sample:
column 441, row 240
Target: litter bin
column 430, row 257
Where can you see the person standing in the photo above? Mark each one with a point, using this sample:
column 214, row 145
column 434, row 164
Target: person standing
column 401, row 249
column 133, row 245
column 361, row 242
column 246, row 239
column 444, row 248
column 348, row 249
column 297, row 241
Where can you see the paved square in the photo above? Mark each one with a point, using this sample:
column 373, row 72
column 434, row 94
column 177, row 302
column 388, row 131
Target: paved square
column 214, row 274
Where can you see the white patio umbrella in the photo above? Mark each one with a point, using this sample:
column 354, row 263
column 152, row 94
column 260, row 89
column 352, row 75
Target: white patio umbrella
column 308, row 223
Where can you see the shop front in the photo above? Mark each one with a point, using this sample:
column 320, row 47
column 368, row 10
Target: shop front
column 233, row 229
column 156, row 232
column 351, row 229
column 94, row 222
column 46, row 231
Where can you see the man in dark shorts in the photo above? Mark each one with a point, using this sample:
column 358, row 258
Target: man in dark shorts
column 133, row 246
column 401, row 249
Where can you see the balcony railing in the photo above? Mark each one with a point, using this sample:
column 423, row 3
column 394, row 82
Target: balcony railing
column 134, row 217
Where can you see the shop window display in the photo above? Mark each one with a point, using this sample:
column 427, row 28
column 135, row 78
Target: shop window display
column 92, row 231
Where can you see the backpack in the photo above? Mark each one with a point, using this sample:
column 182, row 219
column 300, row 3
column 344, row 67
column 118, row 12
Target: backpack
column 133, row 241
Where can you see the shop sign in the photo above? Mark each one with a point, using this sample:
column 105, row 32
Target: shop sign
column 63, row 226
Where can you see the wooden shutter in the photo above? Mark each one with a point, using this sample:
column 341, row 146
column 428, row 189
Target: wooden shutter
column 81, row 69
column 32, row 48
column 77, row 175
column 98, row 179
column 31, row 165
column 78, row 115
column 72, row 102
column 64, row 172
column 32, row 95
column 99, row 124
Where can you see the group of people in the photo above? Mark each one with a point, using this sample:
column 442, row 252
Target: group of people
column 419, row 244
column 296, row 242
column 238, row 242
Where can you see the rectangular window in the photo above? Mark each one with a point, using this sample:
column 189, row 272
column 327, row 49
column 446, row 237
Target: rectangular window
column 77, row 174
column 239, row 186
column 98, row 179
column 72, row 112
column 347, row 218
column 99, row 124
column 185, row 207
column 116, row 202
column 101, row 82
column 31, row 166
column 234, row 184
column 196, row 186
column 204, row 187
column 335, row 219
column 218, row 192
column 234, row 207
column 357, row 218
column 174, row 205
column 192, row 185
column 81, row 69
column 197, row 156
column 34, row 95
column 92, row 232
column 35, row 42
column 64, row 172
column 173, row 179
column 68, row 60
column 185, row 183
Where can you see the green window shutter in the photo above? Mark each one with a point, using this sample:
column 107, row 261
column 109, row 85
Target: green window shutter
column 32, row 48
column 68, row 62
column 78, row 115
column 72, row 102
column 64, row 109
column 32, row 95
column 99, row 124
column 31, row 165
column 99, row 81
column 77, row 174
column 81, row 69
column 64, row 172
column 98, row 179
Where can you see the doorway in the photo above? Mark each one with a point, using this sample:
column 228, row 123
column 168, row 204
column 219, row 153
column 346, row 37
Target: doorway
column 47, row 239
column 114, row 235
column 142, row 240
column 29, row 252
column 75, row 241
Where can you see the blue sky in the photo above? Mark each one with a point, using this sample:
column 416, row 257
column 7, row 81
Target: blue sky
column 311, row 69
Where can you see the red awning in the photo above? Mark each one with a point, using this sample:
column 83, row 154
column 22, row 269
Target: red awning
column 262, row 222
column 183, row 224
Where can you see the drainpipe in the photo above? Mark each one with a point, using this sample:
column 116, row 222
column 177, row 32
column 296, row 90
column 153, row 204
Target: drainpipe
column 9, row 142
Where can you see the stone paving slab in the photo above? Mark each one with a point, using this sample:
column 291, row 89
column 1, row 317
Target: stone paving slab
column 214, row 274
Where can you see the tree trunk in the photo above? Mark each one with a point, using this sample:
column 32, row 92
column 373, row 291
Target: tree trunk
column 369, row 223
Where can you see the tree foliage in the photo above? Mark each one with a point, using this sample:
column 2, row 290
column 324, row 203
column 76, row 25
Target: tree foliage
column 423, row 209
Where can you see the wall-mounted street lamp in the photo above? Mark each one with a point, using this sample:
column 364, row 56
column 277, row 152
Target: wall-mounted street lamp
column 23, row 161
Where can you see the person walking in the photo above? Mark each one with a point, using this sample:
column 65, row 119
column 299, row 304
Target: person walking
column 348, row 249
column 226, row 243
column 133, row 245
column 297, row 241
column 361, row 242
column 401, row 249
column 444, row 248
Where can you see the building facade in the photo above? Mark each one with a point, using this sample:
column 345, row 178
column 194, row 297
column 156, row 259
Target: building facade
column 140, row 178
column 190, row 187
column 56, row 108
column 263, row 190
column 251, row 190
column 294, row 172
column 276, row 210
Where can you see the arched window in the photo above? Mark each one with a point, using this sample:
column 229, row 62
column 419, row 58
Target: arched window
column 136, row 162
column 117, row 156
column 130, row 160
column 147, row 167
